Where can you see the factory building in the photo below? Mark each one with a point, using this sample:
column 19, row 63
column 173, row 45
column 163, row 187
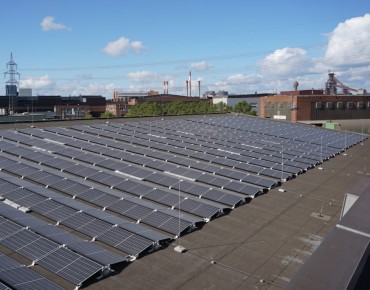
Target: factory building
column 59, row 107
column 297, row 106
column 315, row 105
column 131, row 97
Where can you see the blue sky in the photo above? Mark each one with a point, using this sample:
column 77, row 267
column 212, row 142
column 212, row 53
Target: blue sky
column 72, row 47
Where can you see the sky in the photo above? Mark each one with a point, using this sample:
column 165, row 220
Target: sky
column 82, row 47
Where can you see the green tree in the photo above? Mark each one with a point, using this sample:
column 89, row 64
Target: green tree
column 107, row 114
column 244, row 108
column 171, row 108
column 222, row 108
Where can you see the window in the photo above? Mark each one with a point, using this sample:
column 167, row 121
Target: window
column 329, row 105
column 340, row 105
column 360, row 104
column 350, row 105
column 280, row 105
column 318, row 105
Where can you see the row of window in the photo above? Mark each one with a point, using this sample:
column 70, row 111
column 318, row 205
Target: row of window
column 323, row 105
column 278, row 105
column 342, row 105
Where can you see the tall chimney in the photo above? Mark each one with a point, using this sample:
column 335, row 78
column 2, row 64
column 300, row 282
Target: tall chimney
column 199, row 88
column 190, row 82
column 187, row 88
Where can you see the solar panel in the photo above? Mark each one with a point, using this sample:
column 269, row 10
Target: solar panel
column 105, row 200
column 96, row 253
column 81, row 170
column 138, row 212
column 56, row 234
column 70, row 266
column 53, row 210
column 121, row 206
column 167, row 223
column 126, row 241
column 8, row 228
column 58, row 163
column 29, row 244
column 222, row 197
column 25, row 278
column 87, row 224
column 195, row 189
column 90, row 194
column 198, row 208
column 234, row 186
column 62, row 185
column 6, row 262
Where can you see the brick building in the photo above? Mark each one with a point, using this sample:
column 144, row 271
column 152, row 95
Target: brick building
column 312, row 105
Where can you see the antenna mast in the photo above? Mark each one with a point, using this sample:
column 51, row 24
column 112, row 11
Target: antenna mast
column 11, row 83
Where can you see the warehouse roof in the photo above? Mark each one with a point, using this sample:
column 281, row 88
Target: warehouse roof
column 263, row 243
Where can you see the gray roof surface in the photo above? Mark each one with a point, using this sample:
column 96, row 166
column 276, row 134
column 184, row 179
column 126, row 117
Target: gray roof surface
column 261, row 245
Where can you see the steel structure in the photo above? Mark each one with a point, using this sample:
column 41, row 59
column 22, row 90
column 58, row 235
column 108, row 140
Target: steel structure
column 11, row 83
column 332, row 85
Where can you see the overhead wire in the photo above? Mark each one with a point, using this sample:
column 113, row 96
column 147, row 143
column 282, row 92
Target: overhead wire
column 305, row 67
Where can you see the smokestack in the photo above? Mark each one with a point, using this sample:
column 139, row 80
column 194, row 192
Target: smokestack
column 190, row 82
column 199, row 88
column 165, row 87
column 187, row 88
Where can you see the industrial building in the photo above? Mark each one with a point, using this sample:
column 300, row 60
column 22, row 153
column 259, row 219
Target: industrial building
column 316, row 105
column 58, row 106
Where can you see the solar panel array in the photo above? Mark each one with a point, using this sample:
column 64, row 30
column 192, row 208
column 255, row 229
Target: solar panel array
column 76, row 197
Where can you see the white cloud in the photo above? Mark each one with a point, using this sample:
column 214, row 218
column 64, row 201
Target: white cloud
column 144, row 76
column 44, row 85
column 76, row 88
column 200, row 66
column 285, row 62
column 48, row 24
column 238, row 83
column 348, row 52
column 105, row 90
column 41, row 83
column 122, row 46
column 137, row 46
column 348, row 44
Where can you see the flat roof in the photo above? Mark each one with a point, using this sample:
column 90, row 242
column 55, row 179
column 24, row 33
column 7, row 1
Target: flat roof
column 261, row 244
